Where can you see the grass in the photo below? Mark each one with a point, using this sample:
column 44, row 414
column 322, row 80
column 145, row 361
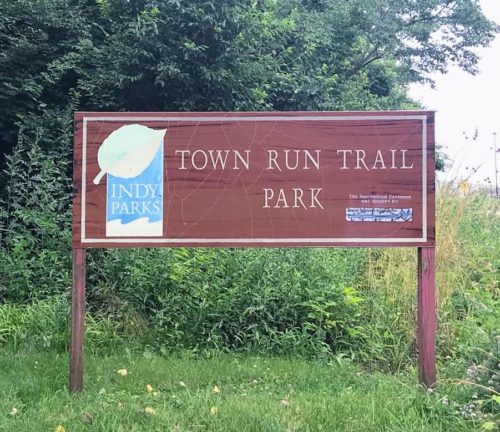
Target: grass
column 256, row 394
column 467, row 283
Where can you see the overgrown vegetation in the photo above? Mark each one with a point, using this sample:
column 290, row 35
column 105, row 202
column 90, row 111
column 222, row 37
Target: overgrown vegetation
column 468, row 270
column 58, row 56
column 309, row 302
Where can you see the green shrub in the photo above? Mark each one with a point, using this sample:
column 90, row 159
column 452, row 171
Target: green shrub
column 279, row 301
column 273, row 300
column 35, row 215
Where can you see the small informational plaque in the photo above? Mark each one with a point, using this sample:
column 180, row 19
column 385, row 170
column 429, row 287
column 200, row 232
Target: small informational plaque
column 254, row 179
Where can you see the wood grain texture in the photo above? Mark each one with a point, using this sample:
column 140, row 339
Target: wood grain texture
column 426, row 325
column 77, row 321
column 215, row 207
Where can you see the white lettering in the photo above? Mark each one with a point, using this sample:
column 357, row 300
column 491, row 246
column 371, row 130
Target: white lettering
column 393, row 158
column 246, row 161
column 314, row 198
column 157, row 207
column 287, row 152
column 183, row 153
column 379, row 160
column 360, row 158
column 344, row 154
column 124, row 209
column 281, row 198
column 268, row 194
column 153, row 188
column 122, row 189
column 308, row 155
column 113, row 190
column 204, row 155
column 298, row 193
column 272, row 155
column 114, row 206
column 218, row 159
column 403, row 162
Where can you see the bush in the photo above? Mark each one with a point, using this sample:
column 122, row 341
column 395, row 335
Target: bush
column 35, row 215
column 278, row 301
column 271, row 300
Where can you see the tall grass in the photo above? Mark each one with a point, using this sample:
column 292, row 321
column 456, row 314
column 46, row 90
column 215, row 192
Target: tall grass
column 467, row 274
column 44, row 324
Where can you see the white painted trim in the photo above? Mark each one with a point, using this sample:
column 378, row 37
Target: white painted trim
column 280, row 241
column 424, row 178
column 84, row 177
column 259, row 118
column 321, row 240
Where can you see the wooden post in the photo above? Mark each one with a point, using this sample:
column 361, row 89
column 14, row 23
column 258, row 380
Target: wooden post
column 426, row 326
column 77, row 321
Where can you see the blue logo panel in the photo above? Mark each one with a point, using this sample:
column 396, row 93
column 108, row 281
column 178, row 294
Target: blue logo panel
column 136, row 202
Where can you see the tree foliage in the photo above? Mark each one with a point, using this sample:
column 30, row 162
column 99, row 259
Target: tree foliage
column 225, row 54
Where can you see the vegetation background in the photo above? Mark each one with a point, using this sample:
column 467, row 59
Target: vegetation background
column 353, row 306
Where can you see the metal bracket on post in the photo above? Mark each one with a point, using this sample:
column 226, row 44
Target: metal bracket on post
column 426, row 325
column 77, row 321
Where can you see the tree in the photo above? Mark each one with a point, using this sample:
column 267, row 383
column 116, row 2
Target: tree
column 226, row 54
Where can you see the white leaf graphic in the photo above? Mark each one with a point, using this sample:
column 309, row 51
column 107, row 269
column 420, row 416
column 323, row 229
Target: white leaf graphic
column 128, row 151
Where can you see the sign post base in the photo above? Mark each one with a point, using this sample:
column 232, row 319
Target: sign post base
column 426, row 325
column 77, row 321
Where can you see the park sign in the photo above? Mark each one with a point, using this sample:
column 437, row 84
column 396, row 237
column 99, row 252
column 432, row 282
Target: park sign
column 254, row 179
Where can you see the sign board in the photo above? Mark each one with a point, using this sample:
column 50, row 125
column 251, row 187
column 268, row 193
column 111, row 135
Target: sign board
column 254, row 179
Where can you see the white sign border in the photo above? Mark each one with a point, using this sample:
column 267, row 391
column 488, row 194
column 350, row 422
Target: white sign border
column 280, row 241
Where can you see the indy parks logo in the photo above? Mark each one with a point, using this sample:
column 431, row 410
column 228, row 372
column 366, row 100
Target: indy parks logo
column 131, row 157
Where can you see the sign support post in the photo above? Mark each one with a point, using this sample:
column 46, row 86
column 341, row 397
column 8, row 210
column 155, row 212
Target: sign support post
column 426, row 325
column 77, row 321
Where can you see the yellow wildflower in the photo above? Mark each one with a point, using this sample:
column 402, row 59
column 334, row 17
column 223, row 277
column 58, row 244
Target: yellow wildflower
column 13, row 412
column 213, row 410
column 149, row 410
column 216, row 390
column 149, row 387
column 122, row 372
column 59, row 428
column 464, row 187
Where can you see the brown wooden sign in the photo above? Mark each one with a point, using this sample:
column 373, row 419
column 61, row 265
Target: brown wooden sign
column 254, row 179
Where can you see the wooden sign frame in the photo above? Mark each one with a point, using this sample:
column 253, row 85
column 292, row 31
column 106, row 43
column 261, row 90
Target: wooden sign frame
column 408, row 221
